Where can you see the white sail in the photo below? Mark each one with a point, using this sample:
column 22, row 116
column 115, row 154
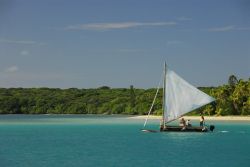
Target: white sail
column 181, row 97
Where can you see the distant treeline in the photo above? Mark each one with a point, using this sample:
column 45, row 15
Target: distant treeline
column 231, row 99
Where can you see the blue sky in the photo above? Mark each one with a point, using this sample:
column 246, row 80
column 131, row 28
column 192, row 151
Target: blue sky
column 91, row 43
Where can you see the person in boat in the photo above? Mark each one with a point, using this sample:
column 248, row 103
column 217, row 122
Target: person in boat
column 182, row 122
column 202, row 121
column 188, row 124
column 161, row 125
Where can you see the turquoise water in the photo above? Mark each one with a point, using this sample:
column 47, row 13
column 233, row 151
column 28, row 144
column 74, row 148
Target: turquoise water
column 112, row 141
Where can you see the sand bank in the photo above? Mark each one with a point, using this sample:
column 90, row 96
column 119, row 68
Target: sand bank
column 219, row 118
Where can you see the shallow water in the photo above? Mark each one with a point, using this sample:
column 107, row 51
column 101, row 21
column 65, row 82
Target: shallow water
column 79, row 140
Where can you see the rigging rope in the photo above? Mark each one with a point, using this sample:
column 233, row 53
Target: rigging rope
column 153, row 101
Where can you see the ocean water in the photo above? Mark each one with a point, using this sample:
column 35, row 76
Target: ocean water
column 116, row 141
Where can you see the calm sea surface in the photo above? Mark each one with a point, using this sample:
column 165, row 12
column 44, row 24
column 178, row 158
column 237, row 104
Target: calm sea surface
column 112, row 141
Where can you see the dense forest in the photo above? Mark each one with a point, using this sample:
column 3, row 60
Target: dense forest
column 231, row 99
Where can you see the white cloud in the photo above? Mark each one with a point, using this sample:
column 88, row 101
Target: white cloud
column 17, row 42
column 228, row 28
column 243, row 28
column 184, row 18
column 121, row 25
column 24, row 52
column 130, row 50
column 174, row 42
column 22, row 42
column 11, row 69
column 222, row 29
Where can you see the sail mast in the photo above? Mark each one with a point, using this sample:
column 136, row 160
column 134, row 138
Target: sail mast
column 163, row 95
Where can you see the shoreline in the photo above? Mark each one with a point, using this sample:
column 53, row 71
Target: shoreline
column 214, row 118
column 152, row 117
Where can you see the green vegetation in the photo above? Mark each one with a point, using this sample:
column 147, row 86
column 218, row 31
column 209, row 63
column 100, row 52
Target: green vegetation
column 231, row 99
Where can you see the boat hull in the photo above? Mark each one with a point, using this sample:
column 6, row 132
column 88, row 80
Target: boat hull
column 184, row 129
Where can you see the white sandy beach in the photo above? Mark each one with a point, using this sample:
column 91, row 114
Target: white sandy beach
column 219, row 118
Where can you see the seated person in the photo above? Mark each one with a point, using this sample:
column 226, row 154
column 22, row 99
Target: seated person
column 202, row 120
column 182, row 122
column 188, row 123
